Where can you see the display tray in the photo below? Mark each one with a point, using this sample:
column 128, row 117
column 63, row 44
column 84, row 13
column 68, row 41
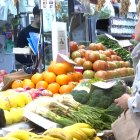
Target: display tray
column 126, row 79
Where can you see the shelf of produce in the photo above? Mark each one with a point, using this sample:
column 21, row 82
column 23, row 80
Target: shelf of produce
column 126, row 79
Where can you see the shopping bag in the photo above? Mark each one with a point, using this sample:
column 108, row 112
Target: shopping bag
column 9, row 78
column 127, row 126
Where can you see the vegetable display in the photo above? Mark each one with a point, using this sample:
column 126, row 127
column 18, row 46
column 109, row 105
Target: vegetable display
column 102, row 98
column 112, row 44
column 66, row 111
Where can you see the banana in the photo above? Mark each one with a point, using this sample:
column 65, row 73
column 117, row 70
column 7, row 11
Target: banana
column 21, row 134
column 58, row 133
column 89, row 132
column 41, row 137
column 51, row 138
column 97, row 138
column 75, row 132
column 82, row 125
column 8, row 138
column 3, row 138
column 11, row 138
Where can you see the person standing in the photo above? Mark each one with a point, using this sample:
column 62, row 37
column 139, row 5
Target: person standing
column 133, row 101
column 22, row 41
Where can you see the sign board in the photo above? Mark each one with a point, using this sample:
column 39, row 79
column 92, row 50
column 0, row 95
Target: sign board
column 125, row 43
column 63, row 58
column 48, row 14
column 59, row 39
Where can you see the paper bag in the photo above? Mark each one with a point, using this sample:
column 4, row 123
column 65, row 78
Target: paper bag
column 9, row 78
column 127, row 126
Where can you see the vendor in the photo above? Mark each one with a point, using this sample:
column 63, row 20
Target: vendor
column 133, row 101
column 22, row 41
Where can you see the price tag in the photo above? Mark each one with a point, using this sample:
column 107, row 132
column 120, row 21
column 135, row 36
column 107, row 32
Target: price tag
column 124, row 43
column 104, row 85
column 109, row 36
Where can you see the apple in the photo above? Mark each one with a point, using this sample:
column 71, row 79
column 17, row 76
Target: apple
column 34, row 95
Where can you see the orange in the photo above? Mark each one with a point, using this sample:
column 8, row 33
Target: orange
column 51, row 66
column 49, row 77
column 28, row 83
column 72, row 84
column 65, row 89
column 59, row 68
column 70, row 76
column 16, row 84
column 42, row 84
column 36, row 78
column 69, row 67
column 79, row 76
column 54, row 87
column 62, row 79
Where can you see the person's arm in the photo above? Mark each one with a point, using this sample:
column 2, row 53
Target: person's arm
column 137, row 30
column 134, row 103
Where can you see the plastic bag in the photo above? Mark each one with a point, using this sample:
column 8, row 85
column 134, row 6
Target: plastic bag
column 107, row 10
column 3, row 9
column 12, row 7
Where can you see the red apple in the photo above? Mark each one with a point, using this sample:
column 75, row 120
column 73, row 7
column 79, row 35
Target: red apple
column 73, row 46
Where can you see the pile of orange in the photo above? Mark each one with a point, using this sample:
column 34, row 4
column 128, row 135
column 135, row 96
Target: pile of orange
column 59, row 78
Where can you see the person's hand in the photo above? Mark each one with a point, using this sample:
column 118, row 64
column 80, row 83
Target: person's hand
column 122, row 101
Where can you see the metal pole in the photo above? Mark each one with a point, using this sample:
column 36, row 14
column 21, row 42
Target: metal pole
column 43, row 45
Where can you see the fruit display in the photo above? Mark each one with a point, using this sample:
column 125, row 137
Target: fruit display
column 78, row 131
column 59, row 78
column 12, row 99
column 99, row 62
column 115, row 46
column 14, row 115
column 13, row 104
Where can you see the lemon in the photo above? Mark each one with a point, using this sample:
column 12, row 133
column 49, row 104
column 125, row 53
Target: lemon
column 12, row 101
column 27, row 97
column 4, row 103
column 19, row 98
column 8, row 117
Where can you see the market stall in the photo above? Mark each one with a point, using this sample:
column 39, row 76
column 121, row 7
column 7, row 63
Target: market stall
column 73, row 97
